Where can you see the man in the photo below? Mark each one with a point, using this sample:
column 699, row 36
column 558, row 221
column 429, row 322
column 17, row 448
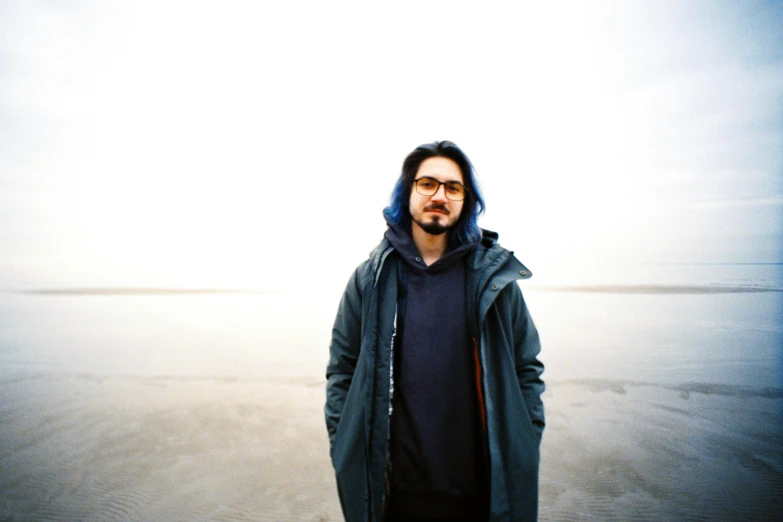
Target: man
column 433, row 403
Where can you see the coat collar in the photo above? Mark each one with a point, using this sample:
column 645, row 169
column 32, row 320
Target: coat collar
column 488, row 258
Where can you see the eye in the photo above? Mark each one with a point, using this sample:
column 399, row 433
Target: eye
column 426, row 183
column 454, row 188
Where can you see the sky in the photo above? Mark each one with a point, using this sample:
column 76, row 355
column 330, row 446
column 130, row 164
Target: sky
column 254, row 144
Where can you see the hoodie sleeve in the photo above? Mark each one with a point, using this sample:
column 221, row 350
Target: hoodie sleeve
column 343, row 353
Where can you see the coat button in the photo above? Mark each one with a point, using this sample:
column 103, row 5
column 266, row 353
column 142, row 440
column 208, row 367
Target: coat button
column 523, row 272
column 494, row 287
column 418, row 259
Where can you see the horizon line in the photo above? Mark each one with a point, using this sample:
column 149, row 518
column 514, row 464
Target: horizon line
column 139, row 291
column 770, row 263
column 655, row 289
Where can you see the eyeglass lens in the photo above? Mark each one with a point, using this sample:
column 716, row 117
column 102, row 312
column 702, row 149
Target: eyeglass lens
column 454, row 190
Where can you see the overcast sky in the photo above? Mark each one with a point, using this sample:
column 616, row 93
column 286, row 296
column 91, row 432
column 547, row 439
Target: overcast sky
column 254, row 144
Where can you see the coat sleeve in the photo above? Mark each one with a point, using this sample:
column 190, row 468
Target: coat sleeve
column 343, row 353
column 528, row 367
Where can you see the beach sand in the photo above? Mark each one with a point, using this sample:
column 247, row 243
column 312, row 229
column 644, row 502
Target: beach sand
column 616, row 450
column 84, row 448
column 81, row 447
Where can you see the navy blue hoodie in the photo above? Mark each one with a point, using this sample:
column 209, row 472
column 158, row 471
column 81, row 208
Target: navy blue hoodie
column 437, row 467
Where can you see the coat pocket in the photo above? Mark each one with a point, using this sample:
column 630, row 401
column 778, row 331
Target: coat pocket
column 349, row 438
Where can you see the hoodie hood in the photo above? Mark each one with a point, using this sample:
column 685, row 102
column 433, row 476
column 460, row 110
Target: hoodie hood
column 401, row 239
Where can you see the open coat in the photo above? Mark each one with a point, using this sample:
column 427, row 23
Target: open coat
column 360, row 381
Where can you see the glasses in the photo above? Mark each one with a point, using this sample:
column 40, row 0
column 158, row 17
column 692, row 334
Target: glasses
column 454, row 190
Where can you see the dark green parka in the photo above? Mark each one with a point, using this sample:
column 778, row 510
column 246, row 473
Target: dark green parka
column 360, row 381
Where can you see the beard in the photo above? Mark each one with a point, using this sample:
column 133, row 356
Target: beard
column 435, row 228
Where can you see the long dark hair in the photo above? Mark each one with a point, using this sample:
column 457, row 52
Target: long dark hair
column 466, row 229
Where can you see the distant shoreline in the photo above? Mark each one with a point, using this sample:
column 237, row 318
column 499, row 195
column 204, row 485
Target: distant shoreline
column 655, row 289
column 140, row 291
column 591, row 288
column 704, row 263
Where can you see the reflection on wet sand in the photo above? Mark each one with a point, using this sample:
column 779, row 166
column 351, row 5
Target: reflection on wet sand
column 82, row 446
column 660, row 405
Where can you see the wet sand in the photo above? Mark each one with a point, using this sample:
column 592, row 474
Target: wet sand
column 81, row 447
column 616, row 450
column 209, row 407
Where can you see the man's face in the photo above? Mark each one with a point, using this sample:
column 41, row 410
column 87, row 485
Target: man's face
column 436, row 214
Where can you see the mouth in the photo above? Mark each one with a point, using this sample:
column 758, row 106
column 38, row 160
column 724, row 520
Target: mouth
column 437, row 210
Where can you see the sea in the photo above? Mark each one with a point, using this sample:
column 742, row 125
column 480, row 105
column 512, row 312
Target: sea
column 664, row 381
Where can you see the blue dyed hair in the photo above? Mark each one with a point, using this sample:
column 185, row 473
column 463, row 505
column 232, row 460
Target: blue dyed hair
column 466, row 229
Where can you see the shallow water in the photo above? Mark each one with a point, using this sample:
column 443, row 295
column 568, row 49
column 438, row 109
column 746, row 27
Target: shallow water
column 660, row 406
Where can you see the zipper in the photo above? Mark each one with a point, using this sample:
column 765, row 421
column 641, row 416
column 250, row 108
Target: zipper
column 387, row 474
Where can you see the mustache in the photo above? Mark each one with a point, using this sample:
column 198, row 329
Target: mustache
column 437, row 206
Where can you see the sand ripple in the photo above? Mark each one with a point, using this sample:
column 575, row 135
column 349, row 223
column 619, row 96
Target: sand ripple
column 129, row 449
column 76, row 447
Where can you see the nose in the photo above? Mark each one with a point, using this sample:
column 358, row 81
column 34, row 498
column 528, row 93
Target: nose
column 440, row 194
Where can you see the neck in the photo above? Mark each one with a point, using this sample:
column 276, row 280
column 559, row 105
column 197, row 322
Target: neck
column 430, row 247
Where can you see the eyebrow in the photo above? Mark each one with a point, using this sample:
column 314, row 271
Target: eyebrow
column 442, row 181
